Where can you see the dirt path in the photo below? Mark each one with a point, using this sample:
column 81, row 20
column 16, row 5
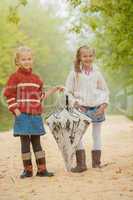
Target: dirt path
column 111, row 183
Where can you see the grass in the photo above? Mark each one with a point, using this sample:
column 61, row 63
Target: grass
column 130, row 117
column 6, row 120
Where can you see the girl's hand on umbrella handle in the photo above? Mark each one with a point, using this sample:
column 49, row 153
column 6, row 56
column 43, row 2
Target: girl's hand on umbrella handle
column 60, row 88
column 79, row 107
column 82, row 109
column 76, row 105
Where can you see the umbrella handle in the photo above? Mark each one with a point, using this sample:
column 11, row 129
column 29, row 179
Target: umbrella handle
column 67, row 102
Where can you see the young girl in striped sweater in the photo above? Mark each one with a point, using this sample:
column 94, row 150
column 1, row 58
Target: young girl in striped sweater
column 24, row 93
column 88, row 92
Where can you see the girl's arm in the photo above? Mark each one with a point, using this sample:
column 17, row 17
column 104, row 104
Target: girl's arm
column 10, row 93
column 52, row 91
column 102, row 85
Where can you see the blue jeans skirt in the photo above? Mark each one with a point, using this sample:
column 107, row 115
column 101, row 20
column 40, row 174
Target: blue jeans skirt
column 91, row 113
column 27, row 124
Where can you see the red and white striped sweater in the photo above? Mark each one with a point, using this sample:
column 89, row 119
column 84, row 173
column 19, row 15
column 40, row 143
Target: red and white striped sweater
column 24, row 90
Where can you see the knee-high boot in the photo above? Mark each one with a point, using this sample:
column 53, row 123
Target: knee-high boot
column 41, row 165
column 96, row 158
column 81, row 162
column 27, row 163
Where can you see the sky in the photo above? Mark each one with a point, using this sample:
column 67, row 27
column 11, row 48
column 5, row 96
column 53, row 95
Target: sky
column 59, row 5
column 61, row 8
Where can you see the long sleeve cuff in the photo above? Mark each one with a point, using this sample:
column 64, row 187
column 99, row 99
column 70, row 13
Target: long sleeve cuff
column 12, row 104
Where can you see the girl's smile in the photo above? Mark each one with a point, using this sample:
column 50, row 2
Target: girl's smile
column 25, row 60
column 86, row 57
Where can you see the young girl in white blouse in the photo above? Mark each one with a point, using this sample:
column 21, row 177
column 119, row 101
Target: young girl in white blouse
column 88, row 92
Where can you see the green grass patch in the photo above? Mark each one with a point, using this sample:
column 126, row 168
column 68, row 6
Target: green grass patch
column 6, row 120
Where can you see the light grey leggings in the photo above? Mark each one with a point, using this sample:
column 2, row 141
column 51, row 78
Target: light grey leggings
column 96, row 136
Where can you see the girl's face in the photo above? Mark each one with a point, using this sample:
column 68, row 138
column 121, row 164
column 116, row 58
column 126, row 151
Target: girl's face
column 25, row 60
column 86, row 57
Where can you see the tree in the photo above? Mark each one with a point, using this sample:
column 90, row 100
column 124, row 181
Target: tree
column 52, row 56
column 40, row 30
column 13, row 15
column 10, row 37
column 112, row 24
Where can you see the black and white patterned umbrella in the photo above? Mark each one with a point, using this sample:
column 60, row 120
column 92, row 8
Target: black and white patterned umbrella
column 68, row 127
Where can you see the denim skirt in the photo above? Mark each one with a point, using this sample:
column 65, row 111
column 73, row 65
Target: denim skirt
column 27, row 124
column 91, row 113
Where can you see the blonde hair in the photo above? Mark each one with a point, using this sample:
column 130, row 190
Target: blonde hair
column 19, row 50
column 77, row 58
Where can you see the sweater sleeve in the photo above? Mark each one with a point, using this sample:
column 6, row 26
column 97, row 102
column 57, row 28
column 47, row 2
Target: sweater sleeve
column 102, row 85
column 70, row 88
column 10, row 93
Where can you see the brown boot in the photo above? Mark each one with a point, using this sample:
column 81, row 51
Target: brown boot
column 81, row 162
column 28, row 169
column 96, row 158
column 41, row 165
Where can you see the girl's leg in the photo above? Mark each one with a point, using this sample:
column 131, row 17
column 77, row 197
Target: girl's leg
column 40, row 156
column 36, row 143
column 26, row 156
column 96, row 150
column 25, row 144
column 96, row 135
column 80, row 159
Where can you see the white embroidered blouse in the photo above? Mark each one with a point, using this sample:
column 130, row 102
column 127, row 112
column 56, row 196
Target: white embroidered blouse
column 89, row 90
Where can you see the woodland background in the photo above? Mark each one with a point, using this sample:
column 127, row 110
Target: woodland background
column 54, row 33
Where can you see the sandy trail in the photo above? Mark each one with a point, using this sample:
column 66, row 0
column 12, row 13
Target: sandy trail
column 110, row 183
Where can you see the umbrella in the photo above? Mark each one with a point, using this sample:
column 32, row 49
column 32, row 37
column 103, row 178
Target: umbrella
column 68, row 127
